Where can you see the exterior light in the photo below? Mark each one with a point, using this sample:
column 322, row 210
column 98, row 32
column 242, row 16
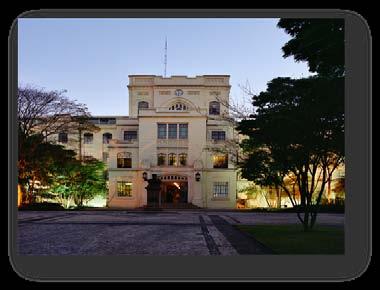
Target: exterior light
column 145, row 176
column 197, row 176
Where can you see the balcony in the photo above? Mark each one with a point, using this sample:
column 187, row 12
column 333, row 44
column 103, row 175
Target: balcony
column 172, row 143
column 123, row 143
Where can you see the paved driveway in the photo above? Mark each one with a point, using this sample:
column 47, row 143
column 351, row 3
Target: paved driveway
column 198, row 233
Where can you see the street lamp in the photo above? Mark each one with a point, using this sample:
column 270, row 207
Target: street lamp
column 145, row 176
column 197, row 176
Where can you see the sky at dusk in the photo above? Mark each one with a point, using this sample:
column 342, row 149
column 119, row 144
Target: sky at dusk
column 92, row 58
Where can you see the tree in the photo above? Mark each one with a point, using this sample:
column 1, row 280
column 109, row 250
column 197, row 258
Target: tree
column 36, row 162
column 297, row 131
column 79, row 181
column 320, row 42
column 40, row 114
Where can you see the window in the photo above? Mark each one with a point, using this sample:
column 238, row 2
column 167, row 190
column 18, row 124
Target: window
column 178, row 107
column 220, row 189
column 182, row 159
column 124, row 160
column 214, row 108
column 106, row 138
column 172, row 131
column 161, row 159
column 220, row 161
column 218, row 135
column 143, row 105
column 124, row 188
column 183, row 131
column 62, row 137
column 88, row 138
column 161, row 131
column 172, row 159
column 130, row 135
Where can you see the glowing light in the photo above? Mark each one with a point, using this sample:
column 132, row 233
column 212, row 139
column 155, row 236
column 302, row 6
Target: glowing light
column 177, row 185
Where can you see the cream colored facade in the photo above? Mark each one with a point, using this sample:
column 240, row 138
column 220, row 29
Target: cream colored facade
column 191, row 108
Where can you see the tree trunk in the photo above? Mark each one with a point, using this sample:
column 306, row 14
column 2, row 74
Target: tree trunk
column 80, row 145
column 278, row 193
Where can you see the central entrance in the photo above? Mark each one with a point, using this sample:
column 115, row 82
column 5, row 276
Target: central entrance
column 173, row 189
column 174, row 192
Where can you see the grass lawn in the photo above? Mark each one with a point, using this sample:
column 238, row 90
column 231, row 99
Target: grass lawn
column 291, row 239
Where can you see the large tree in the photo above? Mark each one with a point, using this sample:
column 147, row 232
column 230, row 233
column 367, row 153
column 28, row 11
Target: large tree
column 42, row 113
column 320, row 42
column 296, row 132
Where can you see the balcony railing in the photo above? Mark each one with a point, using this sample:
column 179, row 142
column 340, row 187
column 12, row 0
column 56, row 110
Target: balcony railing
column 172, row 143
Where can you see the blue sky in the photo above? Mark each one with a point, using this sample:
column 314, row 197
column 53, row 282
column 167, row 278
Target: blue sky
column 92, row 58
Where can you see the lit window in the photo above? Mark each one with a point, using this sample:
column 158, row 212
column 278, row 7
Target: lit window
column 62, row 137
column 183, row 129
column 220, row 161
column 218, row 135
column 88, row 138
column 172, row 131
column 220, row 189
column 161, row 131
column 161, row 159
column 172, row 159
column 182, row 159
column 106, row 138
column 124, row 160
column 124, row 188
column 130, row 135
column 214, row 108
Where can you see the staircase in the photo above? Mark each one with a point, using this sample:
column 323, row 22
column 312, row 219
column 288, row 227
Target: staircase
column 181, row 205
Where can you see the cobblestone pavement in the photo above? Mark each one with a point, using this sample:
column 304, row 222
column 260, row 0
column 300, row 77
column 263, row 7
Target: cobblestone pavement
column 196, row 233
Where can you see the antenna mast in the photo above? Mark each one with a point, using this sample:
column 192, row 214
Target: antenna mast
column 165, row 58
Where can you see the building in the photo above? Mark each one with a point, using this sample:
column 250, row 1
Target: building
column 176, row 132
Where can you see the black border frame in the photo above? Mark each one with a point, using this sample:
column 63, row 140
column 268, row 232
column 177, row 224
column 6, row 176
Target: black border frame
column 358, row 216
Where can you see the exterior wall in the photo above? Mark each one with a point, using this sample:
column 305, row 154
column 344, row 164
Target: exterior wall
column 220, row 175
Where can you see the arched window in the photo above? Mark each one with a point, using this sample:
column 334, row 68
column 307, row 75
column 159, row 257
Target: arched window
column 214, row 108
column 62, row 137
column 161, row 159
column 124, row 160
column 182, row 159
column 106, row 138
column 143, row 105
column 172, row 159
column 88, row 138
column 178, row 107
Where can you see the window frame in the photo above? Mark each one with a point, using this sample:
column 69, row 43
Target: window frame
column 218, row 133
column 64, row 140
column 187, row 131
column 220, row 189
column 126, row 184
column 130, row 139
column 125, row 162
column 180, row 157
column 88, row 138
column 214, row 110
column 171, row 125
column 108, row 139
column 224, row 165
column 171, row 157
column 164, row 159
column 162, row 125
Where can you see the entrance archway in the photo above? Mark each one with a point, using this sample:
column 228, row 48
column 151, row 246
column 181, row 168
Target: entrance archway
column 174, row 189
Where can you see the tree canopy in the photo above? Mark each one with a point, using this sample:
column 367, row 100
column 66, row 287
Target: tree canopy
column 320, row 42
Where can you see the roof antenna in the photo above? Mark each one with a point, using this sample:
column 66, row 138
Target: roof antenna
column 165, row 58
